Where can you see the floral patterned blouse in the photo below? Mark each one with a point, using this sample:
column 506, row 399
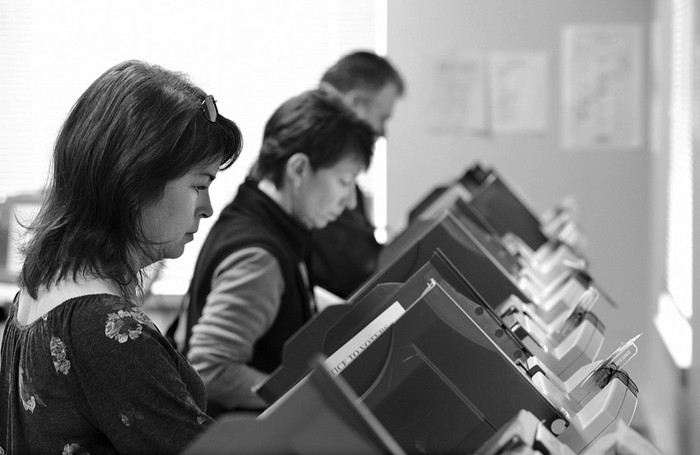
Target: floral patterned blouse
column 95, row 375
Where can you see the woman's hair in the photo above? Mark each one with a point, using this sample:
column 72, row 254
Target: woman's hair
column 136, row 128
column 318, row 124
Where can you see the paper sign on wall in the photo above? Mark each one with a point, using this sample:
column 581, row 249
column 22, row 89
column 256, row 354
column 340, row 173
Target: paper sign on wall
column 519, row 92
column 601, row 82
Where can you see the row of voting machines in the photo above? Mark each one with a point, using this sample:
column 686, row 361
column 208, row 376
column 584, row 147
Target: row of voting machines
column 477, row 335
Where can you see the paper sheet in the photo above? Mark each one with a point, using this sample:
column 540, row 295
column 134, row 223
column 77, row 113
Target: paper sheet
column 602, row 86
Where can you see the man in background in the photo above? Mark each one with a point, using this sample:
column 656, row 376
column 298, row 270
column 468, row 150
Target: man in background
column 346, row 252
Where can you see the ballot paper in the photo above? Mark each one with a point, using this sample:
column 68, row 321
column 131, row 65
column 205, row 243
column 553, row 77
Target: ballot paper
column 341, row 358
column 357, row 344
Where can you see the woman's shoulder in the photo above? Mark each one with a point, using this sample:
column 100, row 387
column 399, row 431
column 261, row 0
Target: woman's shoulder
column 110, row 308
column 97, row 318
column 109, row 303
column 100, row 304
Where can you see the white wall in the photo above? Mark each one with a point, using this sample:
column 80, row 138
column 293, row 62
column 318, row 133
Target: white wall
column 612, row 187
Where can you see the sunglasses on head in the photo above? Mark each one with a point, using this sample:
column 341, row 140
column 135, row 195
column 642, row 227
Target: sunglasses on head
column 209, row 108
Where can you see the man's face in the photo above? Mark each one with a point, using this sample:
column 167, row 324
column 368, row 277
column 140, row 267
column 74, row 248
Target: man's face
column 376, row 108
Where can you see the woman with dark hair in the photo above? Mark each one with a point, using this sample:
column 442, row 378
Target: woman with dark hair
column 83, row 369
column 250, row 290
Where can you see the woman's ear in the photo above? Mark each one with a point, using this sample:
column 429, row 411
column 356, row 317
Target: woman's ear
column 298, row 166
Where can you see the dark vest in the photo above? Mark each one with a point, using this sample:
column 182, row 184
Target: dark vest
column 253, row 219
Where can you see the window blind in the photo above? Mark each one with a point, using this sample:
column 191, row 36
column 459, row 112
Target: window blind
column 675, row 305
column 252, row 55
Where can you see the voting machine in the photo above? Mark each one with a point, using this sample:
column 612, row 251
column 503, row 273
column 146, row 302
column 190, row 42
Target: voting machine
column 438, row 370
column 319, row 415
column 442, row 372
column 558, row 325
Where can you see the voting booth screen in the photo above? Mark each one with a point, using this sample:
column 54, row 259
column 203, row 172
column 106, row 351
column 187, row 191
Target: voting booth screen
column 443, row 377
column 491, row 281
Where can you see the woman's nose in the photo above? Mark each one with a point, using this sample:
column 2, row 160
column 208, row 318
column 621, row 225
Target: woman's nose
column 205, row 210
column 351, row 199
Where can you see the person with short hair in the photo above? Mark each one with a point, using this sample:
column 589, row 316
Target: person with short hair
column 250, row 289
column 83, row 368
column 346, row 251
column 369, row 84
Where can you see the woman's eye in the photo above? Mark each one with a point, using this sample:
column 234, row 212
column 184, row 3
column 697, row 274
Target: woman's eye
column 201, row 188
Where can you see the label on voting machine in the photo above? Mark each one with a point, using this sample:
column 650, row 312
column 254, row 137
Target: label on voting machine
column 341, row 358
